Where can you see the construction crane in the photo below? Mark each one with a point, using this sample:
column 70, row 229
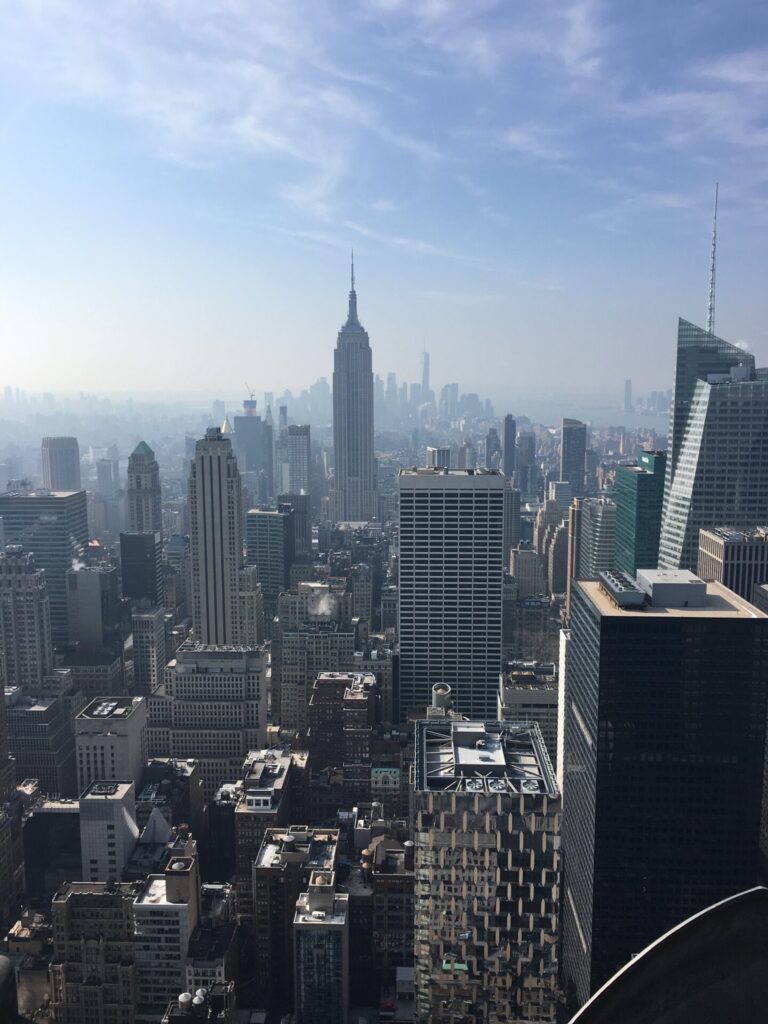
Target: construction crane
column 250, row 390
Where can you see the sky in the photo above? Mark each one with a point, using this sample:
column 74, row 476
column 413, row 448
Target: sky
column 527, row 186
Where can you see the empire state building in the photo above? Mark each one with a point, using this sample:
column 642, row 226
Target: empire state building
column 353, row 498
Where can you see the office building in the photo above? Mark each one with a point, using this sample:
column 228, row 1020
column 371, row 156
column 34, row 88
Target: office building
column 25, row 622
column 557, row 560
column 550, row 514
column 61, row 464
column 717, row 464
column 294, row 451
column 321, row 952
column 212, row 954
column 510, row 438
column 304, row 652
column 574, row 545
column 597, row 537
column 665, row 696
column 573, row 447
column 486, row 922
column 527, row 569
column 177, row 554
column 111, row 740
column 143, row 492
column 492, row 449
column 270, row 547
column 450, row 583
column 141, row 567
column 108, row 829
column 54, row 526
column 251, row 612
column 512, row 520
column 353, row 498
column 281, row 872
column 212, row 707
column 149, row 650
column 92, row 974
column 439, row 458
column 528, row 693
column 639, row 496
column 216, row 531
column 94, row 609
column 561, row 491
column 425, row 388
column 94, row 673
column 41, row 741
column 736, row 558
column 254, row 447
column 165, row 913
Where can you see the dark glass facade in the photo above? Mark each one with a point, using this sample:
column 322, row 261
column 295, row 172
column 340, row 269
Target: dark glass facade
column 639, row 497
column 664, row 750
column 141, row 567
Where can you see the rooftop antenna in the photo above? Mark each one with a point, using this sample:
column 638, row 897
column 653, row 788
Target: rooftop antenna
column 353, row 270
column 711, row 303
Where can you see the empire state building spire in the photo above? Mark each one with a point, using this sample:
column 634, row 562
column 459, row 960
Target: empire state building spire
column 352, row 320
column 353, row 498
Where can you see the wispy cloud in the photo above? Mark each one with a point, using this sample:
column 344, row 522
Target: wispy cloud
column 414, row 245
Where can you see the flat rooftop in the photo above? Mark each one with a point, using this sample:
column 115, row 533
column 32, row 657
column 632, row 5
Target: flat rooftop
column 721, row 603
column 104, row 708
column 99, row 790
column 457, row 477
column 482, row 757
column 731, row 535
column 315, row 848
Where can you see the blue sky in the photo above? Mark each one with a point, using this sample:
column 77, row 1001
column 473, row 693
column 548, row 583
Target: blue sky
column 527, row 186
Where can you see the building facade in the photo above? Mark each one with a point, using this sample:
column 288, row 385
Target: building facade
column 639, row 498
column 573, row 449
column 143, row 494
column 736, row 558
column 111, row 740
column 61, row 464
column 25, row 620
column 450, row 587
column 216, row 531
column 353, row 498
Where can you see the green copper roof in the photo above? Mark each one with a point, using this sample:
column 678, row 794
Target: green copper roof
column 142, row 448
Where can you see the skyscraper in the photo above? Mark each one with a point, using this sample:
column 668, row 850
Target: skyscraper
column 354, row 489
column 510, row 438
column 487, row 873
column 25, row 621
column 573, row 448
column 451, row 572
column 597, row 537
column 293, row 460
column 216, row 531
column 425, row 387
column 143, row 491
column 717, row 464
column 665, row 693
column 61, row 464
column 639, row 497
column 55, row 527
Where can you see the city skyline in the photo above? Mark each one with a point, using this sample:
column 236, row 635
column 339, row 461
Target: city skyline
column 211, row 175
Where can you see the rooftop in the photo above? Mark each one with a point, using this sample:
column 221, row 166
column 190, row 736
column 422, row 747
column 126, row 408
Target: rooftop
column 100, row 790
column 756, row 535
column 103, row 708
column 719, row 603
column 482, row 757
column 313, row 847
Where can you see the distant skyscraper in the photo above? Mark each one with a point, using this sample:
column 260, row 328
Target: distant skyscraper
column 597, row 537
column 61, row 464
column 25, row 621
column 254, row 448
column 425, row 387
column 143, row 491
column 354, row 491
column 639, row 496
column 717, row 464
column 270, row 547
column 216, row 531
column 438, row 458
column 510, row 439
column 492, row 449
column 54, row 526
column 665, row 693
column 293, row 460
column 451, row 561
column 573, row 446
column 628, row 406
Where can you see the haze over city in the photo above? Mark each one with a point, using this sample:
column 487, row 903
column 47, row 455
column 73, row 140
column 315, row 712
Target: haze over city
column 526, row 191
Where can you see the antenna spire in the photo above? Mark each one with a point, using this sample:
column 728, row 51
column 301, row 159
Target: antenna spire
column 353, row 270
column 713, row 254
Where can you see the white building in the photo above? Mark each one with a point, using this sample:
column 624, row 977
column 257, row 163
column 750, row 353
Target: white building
column 213, row 708
column 597, row 537
column 108, row 829
column 450, row 579
column 111, row 740
column 165, row 914
column 61, row 464
column 216, row 532
column 293, row 460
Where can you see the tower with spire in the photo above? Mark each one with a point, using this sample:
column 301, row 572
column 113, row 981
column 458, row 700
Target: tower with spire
column 353, row 497
column 143, row 491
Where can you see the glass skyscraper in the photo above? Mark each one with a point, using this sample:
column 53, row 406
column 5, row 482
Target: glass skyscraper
column 639, row 497
column 717, row 466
